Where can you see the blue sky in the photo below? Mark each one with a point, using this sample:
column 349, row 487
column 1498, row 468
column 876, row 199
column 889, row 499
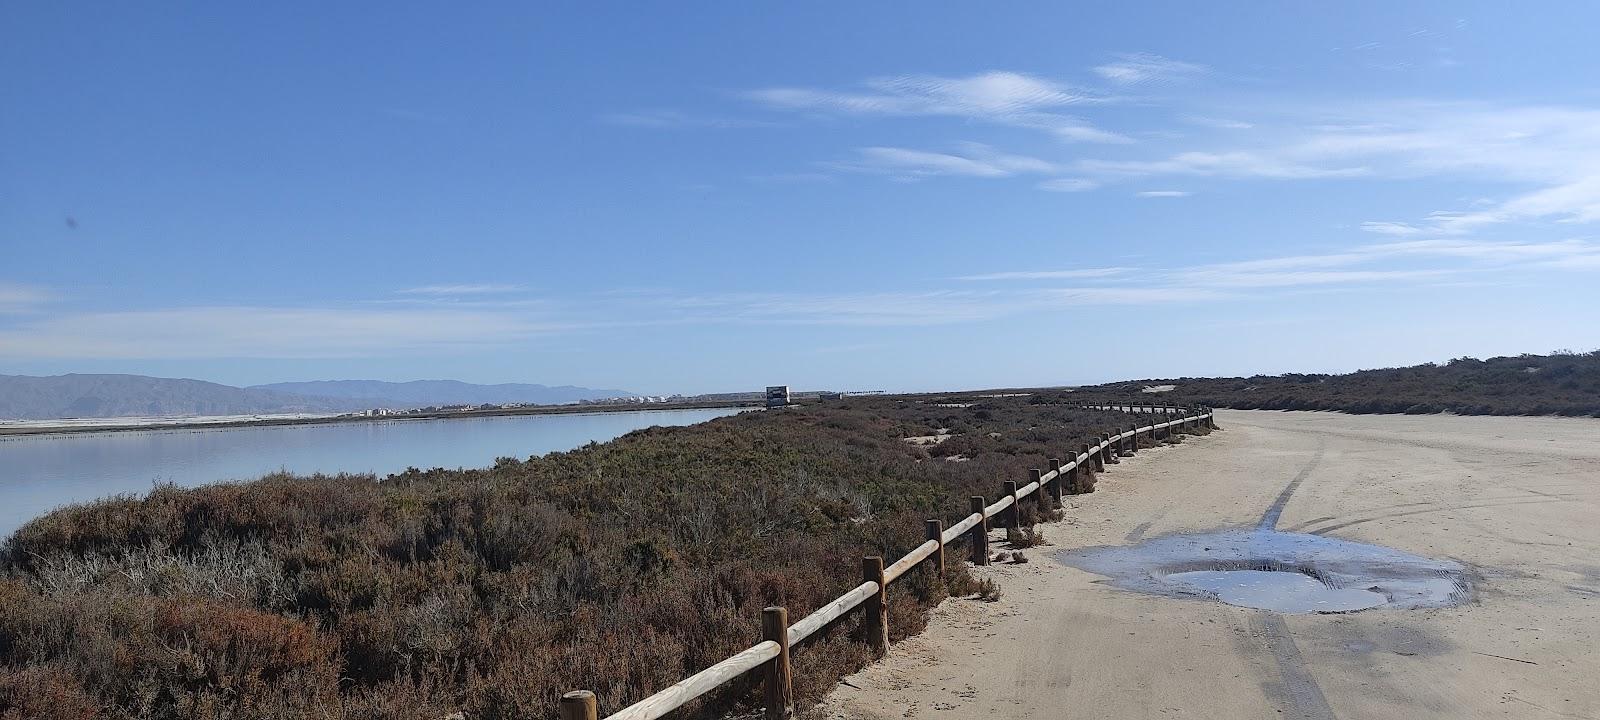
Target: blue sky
column 715, row 197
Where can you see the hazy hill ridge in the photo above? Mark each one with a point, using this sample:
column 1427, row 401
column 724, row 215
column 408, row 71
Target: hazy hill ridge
column 24, row 397
column 439, row 392
column 61, row 396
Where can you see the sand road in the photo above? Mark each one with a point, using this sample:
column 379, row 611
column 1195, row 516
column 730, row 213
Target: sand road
column 1516, row 499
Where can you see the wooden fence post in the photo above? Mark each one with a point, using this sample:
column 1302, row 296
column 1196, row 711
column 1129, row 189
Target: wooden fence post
column 1055, row 485
column 1093, row 458
column 777, row 687
column 1072, row 475
column 579, row 705
column 1009, row 516
column 980, row 533
column 1041, row 497
column 936, row 534
column 877, row 605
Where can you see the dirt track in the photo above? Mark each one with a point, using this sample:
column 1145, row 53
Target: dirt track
column 1517, row 499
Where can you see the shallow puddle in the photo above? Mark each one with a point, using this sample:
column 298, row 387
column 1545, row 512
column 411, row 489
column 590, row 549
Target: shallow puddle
column 1288, row 592
column 1282, row 572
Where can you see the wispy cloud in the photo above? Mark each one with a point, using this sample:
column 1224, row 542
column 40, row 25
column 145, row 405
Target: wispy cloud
column 288, row 332
column 791, row 178
column 1068, row 185
column 1239, row 164
column 21, row 298
column 1496, row 252
column 1004, row 98
column 1153, row 295
column 1301, row 278
column 259, row 332
column 1556, row 150
column 1217, row 122
column 1397, row 229
column 470, row 289
column 1395, row 261
column 1048, row 274
column 1143, row 68
column 910, row 309
column 973, row 160
column 1573, row 202
column 1359, row 267
column 992, row 94
column 667, row 118
column 1163, row 193
column 1362, row 265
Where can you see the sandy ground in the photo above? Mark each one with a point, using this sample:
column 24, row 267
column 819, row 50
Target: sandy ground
column 1517, row 499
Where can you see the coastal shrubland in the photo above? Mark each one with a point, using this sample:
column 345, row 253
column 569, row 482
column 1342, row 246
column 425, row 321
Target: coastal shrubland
column 619, row 567
column 1562, row 383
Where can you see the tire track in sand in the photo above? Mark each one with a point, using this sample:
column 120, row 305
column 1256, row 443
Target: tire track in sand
column 1298, row 687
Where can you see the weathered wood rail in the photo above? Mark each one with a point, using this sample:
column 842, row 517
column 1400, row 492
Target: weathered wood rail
column 778, row 637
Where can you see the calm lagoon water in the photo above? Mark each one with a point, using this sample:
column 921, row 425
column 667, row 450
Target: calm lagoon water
column 41, row 472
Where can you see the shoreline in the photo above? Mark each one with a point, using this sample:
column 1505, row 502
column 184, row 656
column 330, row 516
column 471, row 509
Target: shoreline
column 339, row 419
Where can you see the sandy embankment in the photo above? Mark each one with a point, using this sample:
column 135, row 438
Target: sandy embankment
column 1516, row 499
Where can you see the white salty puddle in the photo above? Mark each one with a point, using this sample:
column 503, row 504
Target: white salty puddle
column 1288, row 592
column 1278, row 571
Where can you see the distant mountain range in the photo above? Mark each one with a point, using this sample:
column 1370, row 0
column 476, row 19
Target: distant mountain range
column 24, row 397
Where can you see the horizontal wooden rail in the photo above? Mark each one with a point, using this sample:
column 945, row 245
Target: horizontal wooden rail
column 955, row 531
column 904, row 565
column 831, row 612
column 699, row 683
column 581, row 705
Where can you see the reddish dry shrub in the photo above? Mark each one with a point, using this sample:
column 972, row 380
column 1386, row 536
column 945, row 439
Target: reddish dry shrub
column 619, row 567
column 44, row 693
column 1561, row 383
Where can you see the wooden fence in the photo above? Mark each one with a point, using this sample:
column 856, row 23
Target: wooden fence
column 771, row 655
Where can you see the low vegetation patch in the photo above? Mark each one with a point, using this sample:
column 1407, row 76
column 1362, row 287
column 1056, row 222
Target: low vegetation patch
column 1558, row 384
column 620, row 567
